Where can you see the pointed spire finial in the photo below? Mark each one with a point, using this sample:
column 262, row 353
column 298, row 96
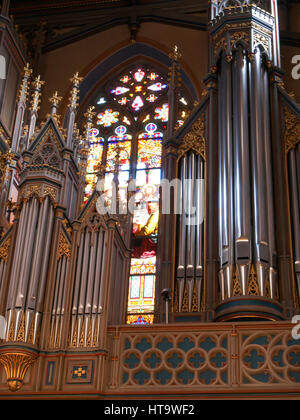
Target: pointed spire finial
column 175, row 54
column 89, row 115
column 27, row 70
column 37, row 84
column 55, row 99
column 23, row 91
column 76, row 80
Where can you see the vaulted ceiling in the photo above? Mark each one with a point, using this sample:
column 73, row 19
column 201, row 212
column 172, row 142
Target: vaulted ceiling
column 67, row 21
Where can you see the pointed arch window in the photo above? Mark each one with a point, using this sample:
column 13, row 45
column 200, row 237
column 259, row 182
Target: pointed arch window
column 126, row 140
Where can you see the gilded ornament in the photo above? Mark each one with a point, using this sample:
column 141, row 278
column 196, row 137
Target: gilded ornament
column 261, row 39
column 194, row 139
column 4, row 249
column 73, row 101
column 175, row 54
column 5, row 160
column 33, row 189
column 236, row 287
column 16, row 365
column 23, row 91
column 253, row 289
column 234, row 38
column 64, row 248
column 55, row 99
column 52, row 192
column 239, row 36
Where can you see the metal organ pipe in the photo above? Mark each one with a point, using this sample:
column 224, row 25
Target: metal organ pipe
column 19, row 240
column 28, row 247
column 226, row 177
column 199, row 228
column 242, row 217
column 60, row 301
column 84, row 273
column 36, row 262
column 221, row 189
column 182, row 235
column 98, row 273
column 297, row 155
column 269, row 185
column 261, row 245
column 190, row 229
column 55, row 307
column 46, row 254
column 295, row 207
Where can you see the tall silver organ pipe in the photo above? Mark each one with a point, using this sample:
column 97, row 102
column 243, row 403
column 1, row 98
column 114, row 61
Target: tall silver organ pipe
column 241, row 165
column 190, row 255
column 273, row 269
column 259, row 188
column 294, row 180
column 225, row 178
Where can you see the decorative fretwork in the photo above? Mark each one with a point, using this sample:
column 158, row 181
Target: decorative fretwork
column 235, row 37
column 4, row 250
column 221, row 356
column 292, row 130
column 236, row 289
column 185, row 301
column 190, row 359
column 47, row 155
column 41, row 192
column 260, row 39
column 5, row 159
column 64, row 247
column 225, row 5
column 253, row 288
column 194, row 139
column 49, row 137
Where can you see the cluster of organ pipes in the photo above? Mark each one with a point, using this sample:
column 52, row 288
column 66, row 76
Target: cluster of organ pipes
column 29, row 269
column 246, row 201
column 86, row 309
column 191, row 230
column 58, row 307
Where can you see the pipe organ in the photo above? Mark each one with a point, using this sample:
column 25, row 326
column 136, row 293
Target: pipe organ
column 227, row 250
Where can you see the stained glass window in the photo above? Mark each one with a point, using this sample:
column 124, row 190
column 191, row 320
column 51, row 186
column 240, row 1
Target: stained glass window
column 162, row 113
column 126, row 140
column 139, row 87
column 107, row 118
